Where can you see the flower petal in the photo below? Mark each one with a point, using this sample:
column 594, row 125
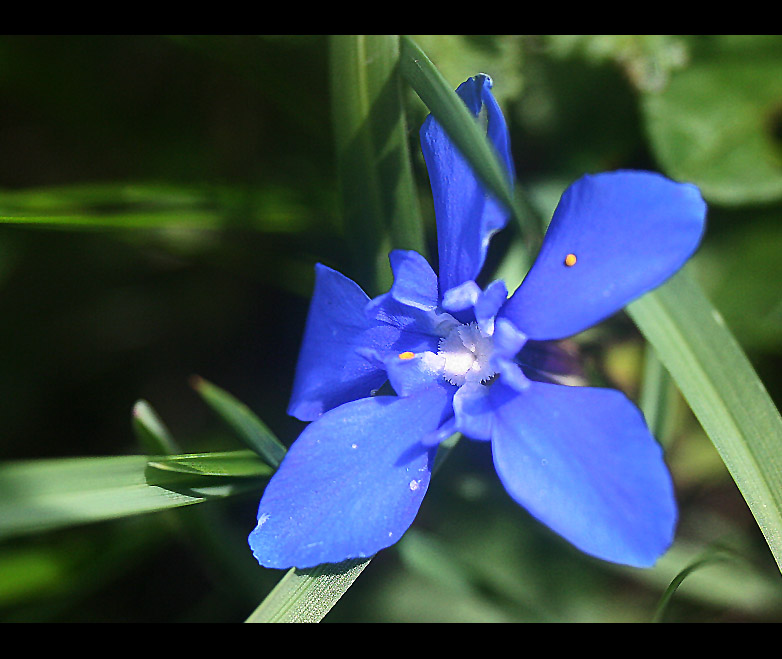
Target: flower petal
column 331, row 369
column 483, row 305
column 351, row 484
column 489, row 303
column 415, row 283
column 466, row 216
column 473, row 412
column 613, row 237
column 582, row 461
column 410, row 372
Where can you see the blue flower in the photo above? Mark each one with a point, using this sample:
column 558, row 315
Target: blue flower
column 579, row 459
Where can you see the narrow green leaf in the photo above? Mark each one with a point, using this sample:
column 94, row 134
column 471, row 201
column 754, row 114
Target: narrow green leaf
column 151, row 432
column 709, row 559
column 247, row 425
column 724, row 392
column 308, row 595
column 42, row 495
column 156, row 206
column 658, row 396
column 380, row 205
column 443, row 102
column 232, row 464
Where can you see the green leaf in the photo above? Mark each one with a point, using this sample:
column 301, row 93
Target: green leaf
column 151, row 432
column 458, row 122
column 42, row 495
column 716, row 124
column 232, row 464
column 247, row 425
column 156, row 206
column 308, row 595
column 380, row 204
column 724, row 392
column 709, row 558
column 459, row 55
column 658, row 397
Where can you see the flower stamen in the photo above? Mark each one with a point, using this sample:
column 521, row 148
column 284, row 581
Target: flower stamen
column 406, row 355
column 467, row 354
column 570, row 260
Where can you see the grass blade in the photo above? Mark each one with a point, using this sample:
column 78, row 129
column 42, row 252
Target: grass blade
column 226, row 464
column 152, row 434
column 308, row 595
column 42, row 495
column 665, row 600
column 443, row 102
column 380, row 204
column 248, row 427
column 152, row 206
column 724, row 392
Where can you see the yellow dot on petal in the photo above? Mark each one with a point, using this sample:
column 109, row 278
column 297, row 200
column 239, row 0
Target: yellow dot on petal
column 406, row 355
column 570, row 260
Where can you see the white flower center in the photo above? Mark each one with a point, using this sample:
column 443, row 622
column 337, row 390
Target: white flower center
column 466, row 353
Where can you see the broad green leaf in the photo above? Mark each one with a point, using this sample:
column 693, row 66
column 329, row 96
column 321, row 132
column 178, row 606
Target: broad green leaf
column 378, row 194
column 724, row 392
column 247, row 425
column 232, row 464
column 716, row 125
column 308, row 595
column 42, row 495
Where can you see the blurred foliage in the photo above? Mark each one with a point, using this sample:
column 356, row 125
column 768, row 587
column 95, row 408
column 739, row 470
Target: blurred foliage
column 169, row 196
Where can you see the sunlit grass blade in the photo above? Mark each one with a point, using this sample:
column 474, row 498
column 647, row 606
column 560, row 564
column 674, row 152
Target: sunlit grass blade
column 46, row 494
column 153, row 435
column 379, row 200
column 154, row 206
column 247, row 425
column 308, row 595
column 724, row 392
column 230, row 464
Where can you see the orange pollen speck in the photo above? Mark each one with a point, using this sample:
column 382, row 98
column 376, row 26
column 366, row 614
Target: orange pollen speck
column 570, row 260
column 406, row 355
